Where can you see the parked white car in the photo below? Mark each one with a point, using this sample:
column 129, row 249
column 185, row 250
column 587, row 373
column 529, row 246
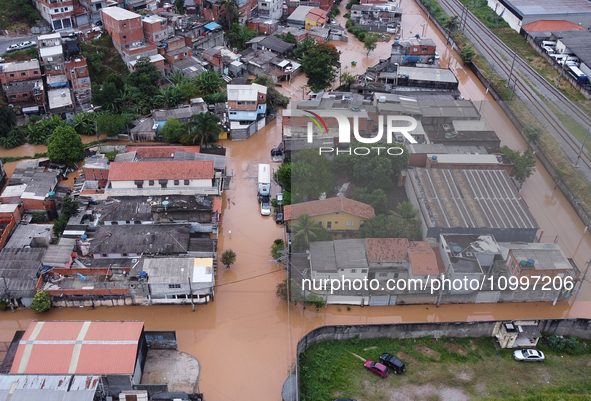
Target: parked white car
column 27, row 43
column 528, row 355
column 12, row 48
column 265, row 208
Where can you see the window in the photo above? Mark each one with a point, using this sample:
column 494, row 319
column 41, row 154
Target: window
column 328, row 225
column 320, row 223
column 186, row 182
column 35, row 72
column 353, row 270
column 151, row 183
column 363, row 270
column 176, row 182
column 56, row 10
column 424, row 49
column 174, row 286
column 23, row 74
column 81, row 71
column 12, row 75
column 350, row 223
column 124, row 37
column 13, row 96
column 25, row 95
column 123, row 254
column 382, row 274
column 124, row 23
column 396, row 276
column 336, row 222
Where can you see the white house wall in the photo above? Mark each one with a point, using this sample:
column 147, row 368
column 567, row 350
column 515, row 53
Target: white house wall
column 511, row 19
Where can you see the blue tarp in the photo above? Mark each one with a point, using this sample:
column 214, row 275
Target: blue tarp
column 212, row 26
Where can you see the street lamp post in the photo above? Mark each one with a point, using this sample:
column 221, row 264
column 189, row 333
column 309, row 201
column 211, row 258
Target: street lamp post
column 396, row 76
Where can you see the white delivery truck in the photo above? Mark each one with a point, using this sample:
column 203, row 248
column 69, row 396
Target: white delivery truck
column 264, row 180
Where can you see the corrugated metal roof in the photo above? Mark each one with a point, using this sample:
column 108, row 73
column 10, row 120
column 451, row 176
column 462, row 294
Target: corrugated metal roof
column 48, row 388
column 78, row 348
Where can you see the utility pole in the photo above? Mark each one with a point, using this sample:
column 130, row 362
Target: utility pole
column 561, row 72
column 191, row 294
column 7, row 295
column 583, row 279
column 581, row 150
column 511, row 72
column 513, row 91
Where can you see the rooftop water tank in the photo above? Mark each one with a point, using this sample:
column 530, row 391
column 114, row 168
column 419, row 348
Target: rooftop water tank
column 52, row 194
column 165, row 203
column 456, row 250
column 83, row 237
column 531, row 262
column 523, row 262
column 143, row 274
column 434, row 158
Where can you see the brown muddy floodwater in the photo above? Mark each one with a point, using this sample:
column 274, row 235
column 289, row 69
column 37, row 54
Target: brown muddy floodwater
column 245, row 340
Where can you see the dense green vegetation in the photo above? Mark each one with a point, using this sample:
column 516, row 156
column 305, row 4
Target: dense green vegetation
column 321, row 63
column 473, row 366
column 14, row 12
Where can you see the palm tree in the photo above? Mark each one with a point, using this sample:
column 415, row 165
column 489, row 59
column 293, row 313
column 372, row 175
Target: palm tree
column 209, row 82
column 406, row 211
column 306, row 229
column 231, row 8
column 169, row 96
column 177, row 77
column 84, row 123
column 206, row 125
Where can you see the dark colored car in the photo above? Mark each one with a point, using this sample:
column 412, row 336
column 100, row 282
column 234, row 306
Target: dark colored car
column 279, row 217
column 395, row 364
column 377, row 368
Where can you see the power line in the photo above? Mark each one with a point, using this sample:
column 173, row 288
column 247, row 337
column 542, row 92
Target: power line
column 250, row 278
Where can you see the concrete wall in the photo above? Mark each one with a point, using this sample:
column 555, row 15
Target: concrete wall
column 511, row 19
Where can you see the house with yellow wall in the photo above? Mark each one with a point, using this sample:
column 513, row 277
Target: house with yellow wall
column 341, row 216
column 315, row 17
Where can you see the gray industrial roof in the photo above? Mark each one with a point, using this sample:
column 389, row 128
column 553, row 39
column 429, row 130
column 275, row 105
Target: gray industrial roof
column 547, row 256
column 550, row 8
column 325, row 256
column 219, row 162
column 469, row 199
column 182, row 112
column 24, row 235
column 578, row 42
column 57, row 254
column 299, row 15
column 147, row 239
column 275, row 44
column 322, row 256
column 19, row 268
column 429, row 74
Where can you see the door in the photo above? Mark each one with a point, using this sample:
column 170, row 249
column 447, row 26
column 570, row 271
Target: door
column 379, row 300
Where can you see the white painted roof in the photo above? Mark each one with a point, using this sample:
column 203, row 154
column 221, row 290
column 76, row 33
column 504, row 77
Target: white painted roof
column 14, row 190
column 118, row 13
column 245, row 92
column 8, row 208
column 51, row 51
column 465, row 159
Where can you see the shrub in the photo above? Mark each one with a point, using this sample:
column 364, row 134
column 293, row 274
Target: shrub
column 41, row 302
column 570, row 345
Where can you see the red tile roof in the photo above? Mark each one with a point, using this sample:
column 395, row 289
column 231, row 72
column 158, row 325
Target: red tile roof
column 74, row 348
column 386, row 249
column 552, row 25
column 422, row 259
column 328, row 206
column 217, row 204
column 160, row 151
column 317, row 14
column 162, row 170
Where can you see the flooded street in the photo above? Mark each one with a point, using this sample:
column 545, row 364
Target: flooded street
column 247, row 328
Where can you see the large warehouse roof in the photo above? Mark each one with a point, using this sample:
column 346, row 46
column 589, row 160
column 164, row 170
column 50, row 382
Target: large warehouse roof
column 78, row 348
column 548, row 7
column 469, row 199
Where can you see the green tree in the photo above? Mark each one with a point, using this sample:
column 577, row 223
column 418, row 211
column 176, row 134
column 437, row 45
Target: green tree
column 295, row 294
column 376, row 198
column 533, row 133
column 168, row 97
column 110, row 125
column 321, row 64
column 406, row 211
column 65, row 146
column 189, row 89
column 523, row 163
column 206, row 126
column 84, row 123
column 376, row 172
column 7, row 119
column 560, row 174
column 288, row 37
column 108, row 96
column 145, row 77
column 173, row 130
column 277, row 247
column 391, row 226
column 283, row 176
column 302, row 48
column 41, row 302
column 347, row 79
column 177, row 77
column 311, row 175
column 274, row 98
column 370, row 42
column 209, row 82
column 231, row 12
column 239, row 35
column 179, row 6
column 467, row 54
column 305, row 230
column 452, row 23
column 228, row 258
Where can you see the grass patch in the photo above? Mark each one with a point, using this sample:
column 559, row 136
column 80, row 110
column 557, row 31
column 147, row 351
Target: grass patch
column 15, row 13
column 21, row 55
column 102, row 59
column 472, row 366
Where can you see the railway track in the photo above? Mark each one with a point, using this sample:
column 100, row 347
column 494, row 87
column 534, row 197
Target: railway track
column 551, row 120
